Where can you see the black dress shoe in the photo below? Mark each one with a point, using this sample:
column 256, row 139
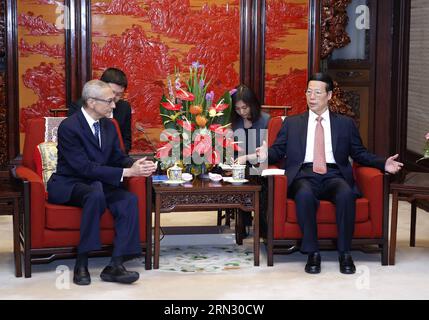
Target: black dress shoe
column 313, row 263
column 119, row 274
column 81, row 276
column 346, row 263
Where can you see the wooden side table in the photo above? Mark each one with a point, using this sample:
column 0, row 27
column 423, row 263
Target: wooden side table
column 10, row 198
column 202, row 195
column 414, row 187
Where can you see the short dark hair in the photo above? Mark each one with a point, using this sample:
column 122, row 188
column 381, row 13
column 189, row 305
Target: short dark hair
column 116, row 76
column 246, row 95
column 323, row 77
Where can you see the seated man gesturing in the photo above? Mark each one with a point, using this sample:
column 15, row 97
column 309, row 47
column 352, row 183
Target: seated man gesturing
column 90, row 169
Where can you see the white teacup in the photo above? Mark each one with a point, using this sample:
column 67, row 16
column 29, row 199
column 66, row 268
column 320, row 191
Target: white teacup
column 174, row 173
column 238, row 171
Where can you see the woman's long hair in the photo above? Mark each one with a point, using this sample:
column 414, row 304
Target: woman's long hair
column 246, row 95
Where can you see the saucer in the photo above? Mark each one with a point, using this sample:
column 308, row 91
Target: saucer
column 237, row 182
column 187, row 177
column 214, row 177
column 174, row 183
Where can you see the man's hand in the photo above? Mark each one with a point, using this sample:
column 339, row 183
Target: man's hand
column 141, row 167
column 262, row 152
column 393, row 166
column 241, row 159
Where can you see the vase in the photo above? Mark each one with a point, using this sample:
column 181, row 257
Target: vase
column 204, row 175
column 199, row 170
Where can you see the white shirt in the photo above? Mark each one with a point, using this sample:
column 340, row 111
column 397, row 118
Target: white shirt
column 326, row 123
column 91, row 124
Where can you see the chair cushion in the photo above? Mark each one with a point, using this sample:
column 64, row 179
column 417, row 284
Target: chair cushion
column 326, row 211
column 45, row 160
column 60, row 217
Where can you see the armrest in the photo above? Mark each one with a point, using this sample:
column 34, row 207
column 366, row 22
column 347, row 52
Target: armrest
column 370, row 183
column 142, row 188
column 279, row 205
column 37, row 203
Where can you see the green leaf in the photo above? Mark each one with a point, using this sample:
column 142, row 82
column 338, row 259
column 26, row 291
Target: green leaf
column 226, row 117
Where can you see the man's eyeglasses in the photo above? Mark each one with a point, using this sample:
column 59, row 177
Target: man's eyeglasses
column 317, row 93
column 108, row 101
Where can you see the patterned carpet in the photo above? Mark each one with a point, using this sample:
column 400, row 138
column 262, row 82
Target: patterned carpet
column 205, row 259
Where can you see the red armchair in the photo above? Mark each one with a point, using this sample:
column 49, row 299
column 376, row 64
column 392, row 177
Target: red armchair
column 50, row 231
column 371, row 226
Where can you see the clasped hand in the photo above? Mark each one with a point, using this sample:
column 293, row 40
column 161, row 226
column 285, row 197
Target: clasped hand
column 141, row 167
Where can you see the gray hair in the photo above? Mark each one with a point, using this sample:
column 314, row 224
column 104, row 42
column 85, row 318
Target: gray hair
column 92, row 89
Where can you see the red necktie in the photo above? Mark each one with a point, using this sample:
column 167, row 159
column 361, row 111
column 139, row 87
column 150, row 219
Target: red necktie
column 319, row 160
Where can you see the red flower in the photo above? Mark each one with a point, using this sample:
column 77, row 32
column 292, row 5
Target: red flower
column 221, row 106
column 171, row 106
column 184, row 95
column 213, row 127
column 163, row 151
column 187, row 150
column 215, row 157
column 228, row 143
column 203, row 143
column 168, row 136
column 186, row 125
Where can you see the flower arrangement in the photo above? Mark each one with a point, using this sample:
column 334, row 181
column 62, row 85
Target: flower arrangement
column 197, row 132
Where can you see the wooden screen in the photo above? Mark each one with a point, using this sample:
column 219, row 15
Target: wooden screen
column 149, row 41
column 286, row 54
column 41, row 60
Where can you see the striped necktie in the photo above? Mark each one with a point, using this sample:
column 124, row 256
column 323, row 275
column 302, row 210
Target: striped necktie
column 97, row 131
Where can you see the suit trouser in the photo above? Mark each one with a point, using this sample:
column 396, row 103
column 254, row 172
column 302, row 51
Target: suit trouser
column 94, row 199
column 307, row 189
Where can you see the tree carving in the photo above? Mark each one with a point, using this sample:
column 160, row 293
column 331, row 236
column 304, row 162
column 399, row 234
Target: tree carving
column 334, row 20
column 339, row 103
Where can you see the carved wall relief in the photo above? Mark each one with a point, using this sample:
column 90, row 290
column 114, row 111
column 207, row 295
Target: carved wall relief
column 286, row 54
column 334, row 20
column 148, row 40
column 339, row 103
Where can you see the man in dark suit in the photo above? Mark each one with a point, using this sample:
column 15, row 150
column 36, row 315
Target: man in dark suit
column 317, row 145
column 90, row 170
column 117, row 80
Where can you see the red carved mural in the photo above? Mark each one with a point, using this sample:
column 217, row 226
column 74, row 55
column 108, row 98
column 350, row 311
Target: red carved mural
column 286, row 54
column 41, row 58
column 148, row 41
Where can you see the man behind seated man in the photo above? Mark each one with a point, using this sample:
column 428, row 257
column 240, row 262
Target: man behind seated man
column 117, row 80
column 90, row 170
column 317, row 145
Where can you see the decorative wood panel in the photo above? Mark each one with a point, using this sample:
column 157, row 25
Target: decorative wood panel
column 3, row 109
column 286, row 53
column 41, row 60
column 334, row 20
column 352, row 70
column 148, row 41
column 418, row 95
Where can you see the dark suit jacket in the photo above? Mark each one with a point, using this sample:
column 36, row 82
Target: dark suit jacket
column 346, row 142
column 80, row 158
column 121, row 113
